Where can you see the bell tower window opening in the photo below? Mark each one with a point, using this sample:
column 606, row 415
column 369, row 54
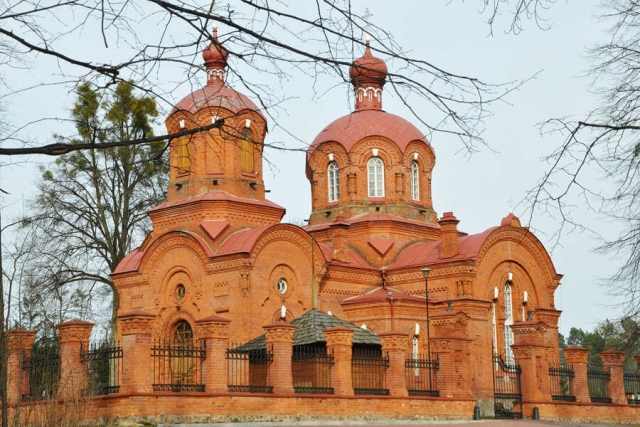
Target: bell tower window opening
column 415, row 183
column 334, row 182
column 246, row 152
column 508, row 322
column 375, row 172
column 183, row 162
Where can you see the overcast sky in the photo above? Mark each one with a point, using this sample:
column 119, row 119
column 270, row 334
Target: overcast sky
column 477, row 188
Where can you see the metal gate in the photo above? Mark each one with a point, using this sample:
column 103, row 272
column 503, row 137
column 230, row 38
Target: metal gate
column 507, row 394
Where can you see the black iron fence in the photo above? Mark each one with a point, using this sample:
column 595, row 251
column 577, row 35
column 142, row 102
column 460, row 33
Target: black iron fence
column 104, row 368
column 632, row 387
column 368, row 371
column 420, row 374
column 41, row 368
column 177, row 366
column 249, row 370
column 599, row 383
column 507, row 394
column 311, row 369
column 561, row 379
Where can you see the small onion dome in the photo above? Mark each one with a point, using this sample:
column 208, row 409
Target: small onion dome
column 215, row 55
column 368, row 70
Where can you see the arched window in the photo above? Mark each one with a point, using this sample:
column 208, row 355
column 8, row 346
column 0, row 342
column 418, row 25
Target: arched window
column 334, row 182
column 508, row 322
column 375, row 171
column 182, row 155
column 246, row 154
column 182, row 333
column 182, row 365
column 415, row 183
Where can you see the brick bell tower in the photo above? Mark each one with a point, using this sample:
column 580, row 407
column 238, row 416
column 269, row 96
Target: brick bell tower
column 219, row 169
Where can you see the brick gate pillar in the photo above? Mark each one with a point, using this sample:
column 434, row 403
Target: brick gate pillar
column 19, row 343
column 340, row 345
column 530, row 352
column 280, row 339
column 74, row 337
column 395, row 344
column 614, row 361
column 136, row 328
column 453, row 351
column 214, row 331
column 577, row 357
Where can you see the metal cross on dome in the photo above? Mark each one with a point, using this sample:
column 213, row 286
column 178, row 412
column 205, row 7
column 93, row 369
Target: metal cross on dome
column 366, row 16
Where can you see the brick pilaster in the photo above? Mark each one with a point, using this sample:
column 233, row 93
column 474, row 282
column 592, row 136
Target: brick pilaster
column 19, row 343
column 74, row 336
column 280, row 338
column 614, row 361
column 340, row 345
column 577, row 356
column 530, row 352
column 395, row 344
column 214, row 331
column 136, row 328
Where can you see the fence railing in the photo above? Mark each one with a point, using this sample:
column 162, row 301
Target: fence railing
column 41, row 367
column 104, row 368
column 599, row 378
column 249, row 370
column 311, row 369
column 368, row 372
column 178, row 366
column 420, row 374
column 561, row 379
column 632, row 387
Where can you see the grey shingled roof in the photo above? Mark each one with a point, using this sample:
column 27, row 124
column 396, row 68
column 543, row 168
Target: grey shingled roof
column 309, row 329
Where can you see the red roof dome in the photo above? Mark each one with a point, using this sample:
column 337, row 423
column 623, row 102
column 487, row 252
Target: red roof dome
column 215, row 55
column 368, row 70
column 350, row 129
column 215, row 96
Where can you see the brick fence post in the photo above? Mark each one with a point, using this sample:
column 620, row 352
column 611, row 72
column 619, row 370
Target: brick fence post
column 530, row 353
column 19, row 343
column 340, row 346
column 136, row 328
column 74, row 338
column 214, row 331
column 577, row 357
column 395, row 344
column 280, row 338
column 614, row 361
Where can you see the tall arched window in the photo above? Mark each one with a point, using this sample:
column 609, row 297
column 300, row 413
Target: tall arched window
column 246, row 154
column 182, row 155
column 415, row 183
column 334, row 182
column 183, row 367
column 508, row 322
column 375, row 172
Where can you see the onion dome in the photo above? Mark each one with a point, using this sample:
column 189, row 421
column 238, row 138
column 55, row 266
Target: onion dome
column 368, row 70
column 215, row 59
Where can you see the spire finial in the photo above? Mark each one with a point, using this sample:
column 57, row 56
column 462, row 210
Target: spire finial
column 367, row 28
column 510, row 205
column 214, row 9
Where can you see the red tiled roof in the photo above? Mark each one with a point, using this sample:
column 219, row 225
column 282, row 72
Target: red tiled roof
column 350, row 129
column 382, row 294
column 130, row 262
column 214, row 228
column 241, row 241
column 216, row 96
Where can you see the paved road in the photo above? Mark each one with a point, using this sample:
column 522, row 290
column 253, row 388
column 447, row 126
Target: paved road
column 482, row 423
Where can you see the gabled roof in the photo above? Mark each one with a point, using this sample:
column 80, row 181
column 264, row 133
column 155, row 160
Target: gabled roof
column 309, row 329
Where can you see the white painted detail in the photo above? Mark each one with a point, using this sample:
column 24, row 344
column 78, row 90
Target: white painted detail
column 214, row 119
column 417, row 329
column 415, row 156
column 525, row 297
column 247, row 123
column 283, row 312
column 329, row 313
column 331, row 157
column 495, row 293
column 181, row 124
column 375, row 152
column 510, row 276
column 364, row 326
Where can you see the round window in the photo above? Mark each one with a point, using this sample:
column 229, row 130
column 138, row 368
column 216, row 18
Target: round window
column 282, row 286
column 180, row 291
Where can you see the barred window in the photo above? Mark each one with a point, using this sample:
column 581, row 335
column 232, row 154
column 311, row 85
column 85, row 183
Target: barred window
column 334, row 182
column 375, row 170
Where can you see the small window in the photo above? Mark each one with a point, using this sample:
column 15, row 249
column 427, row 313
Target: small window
column 334, row 182
column 282, row 286
column 180, row 291
column 375, row 172
column 415, row 183
column 246, row 154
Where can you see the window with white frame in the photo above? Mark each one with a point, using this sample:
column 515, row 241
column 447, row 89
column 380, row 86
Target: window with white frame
column 375, row 171
column 334, row 182
column 508, row 322
column 415, row 184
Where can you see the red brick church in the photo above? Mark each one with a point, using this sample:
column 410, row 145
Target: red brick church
column 379, row 307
